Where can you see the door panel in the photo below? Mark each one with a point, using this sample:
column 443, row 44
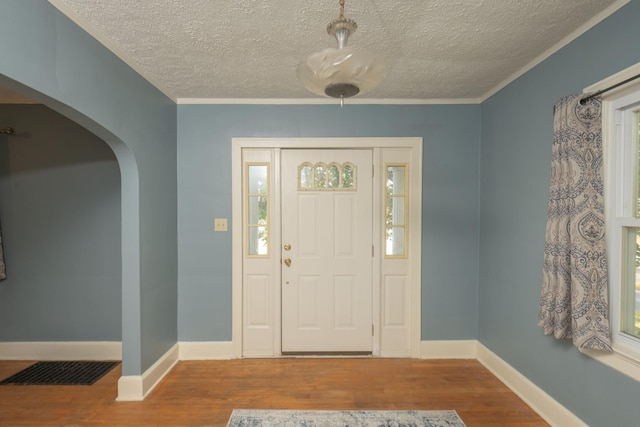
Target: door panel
column 327, row 286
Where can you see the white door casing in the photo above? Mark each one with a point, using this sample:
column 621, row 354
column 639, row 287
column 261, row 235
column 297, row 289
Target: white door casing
column 327, row 253
column 396, row 281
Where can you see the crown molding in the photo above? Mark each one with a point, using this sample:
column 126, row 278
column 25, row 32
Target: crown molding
column 325, row 101
column 556, row 47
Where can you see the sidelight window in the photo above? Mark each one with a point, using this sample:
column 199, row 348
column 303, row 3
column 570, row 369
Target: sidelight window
column 257, row 221
column 395, row 210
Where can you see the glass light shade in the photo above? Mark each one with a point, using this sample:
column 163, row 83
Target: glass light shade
column 347, row 72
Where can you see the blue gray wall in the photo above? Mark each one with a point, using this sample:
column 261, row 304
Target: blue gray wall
column 449, row 203
column 60, row 212
column 46, row 56
column 517, row 125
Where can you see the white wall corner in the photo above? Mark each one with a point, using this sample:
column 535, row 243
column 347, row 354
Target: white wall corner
column 73, row 350
column 137, row 387
column 463, row 349
column 207, row 350
column 547, row 407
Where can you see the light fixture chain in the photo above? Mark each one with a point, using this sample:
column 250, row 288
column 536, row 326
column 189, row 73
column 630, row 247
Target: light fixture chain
column 342, row 23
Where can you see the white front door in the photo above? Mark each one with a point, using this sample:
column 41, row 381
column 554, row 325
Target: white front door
column 326, row 251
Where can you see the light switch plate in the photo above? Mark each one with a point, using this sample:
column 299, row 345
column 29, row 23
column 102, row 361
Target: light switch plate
column 220, row 224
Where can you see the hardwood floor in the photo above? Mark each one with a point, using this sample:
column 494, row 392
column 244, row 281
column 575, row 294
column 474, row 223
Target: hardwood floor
column 204, row 393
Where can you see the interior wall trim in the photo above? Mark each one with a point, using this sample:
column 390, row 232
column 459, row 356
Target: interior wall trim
column 463, row 349
column 137, row 387
column 542, row 403
column 546, row 406
column 73, row 350
column 209, row 350
column 326, row 101
column 382, row 143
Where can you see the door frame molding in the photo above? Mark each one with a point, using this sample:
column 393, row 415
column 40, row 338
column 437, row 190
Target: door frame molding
column 413, row 143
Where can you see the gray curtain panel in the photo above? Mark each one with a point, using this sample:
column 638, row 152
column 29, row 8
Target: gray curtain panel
column 574, row 297
column 3, row 270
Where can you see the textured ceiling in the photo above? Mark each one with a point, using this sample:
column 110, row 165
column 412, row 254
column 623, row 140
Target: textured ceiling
column 437, row 49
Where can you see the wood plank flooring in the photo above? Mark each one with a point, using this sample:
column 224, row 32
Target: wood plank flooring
column 204, row 393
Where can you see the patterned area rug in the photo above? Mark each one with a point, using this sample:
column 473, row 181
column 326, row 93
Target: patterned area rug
column 282, row 418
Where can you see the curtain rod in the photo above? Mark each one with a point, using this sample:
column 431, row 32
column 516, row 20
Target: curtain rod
column 600, row 92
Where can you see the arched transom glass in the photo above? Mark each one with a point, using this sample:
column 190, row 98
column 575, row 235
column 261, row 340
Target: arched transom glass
column 327, row 177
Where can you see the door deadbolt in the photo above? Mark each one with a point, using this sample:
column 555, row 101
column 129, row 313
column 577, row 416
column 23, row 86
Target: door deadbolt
column 287, row 247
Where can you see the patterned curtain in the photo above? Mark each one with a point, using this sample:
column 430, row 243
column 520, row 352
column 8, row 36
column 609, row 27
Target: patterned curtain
column 3, row 271
column 574, row 298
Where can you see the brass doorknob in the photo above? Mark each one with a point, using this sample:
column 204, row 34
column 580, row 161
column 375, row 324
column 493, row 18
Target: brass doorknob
column 287, row 247
column 287, row 262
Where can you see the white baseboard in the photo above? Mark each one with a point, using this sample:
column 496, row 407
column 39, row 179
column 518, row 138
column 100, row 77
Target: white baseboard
column 396, row 354
column 137, row 387
column 130, row 388
column 207, row 350
column 80, row 350
column 248, row 354
column 546, row 406
column 464, row 349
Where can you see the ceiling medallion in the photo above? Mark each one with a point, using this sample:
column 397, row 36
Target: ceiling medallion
column 343, row 72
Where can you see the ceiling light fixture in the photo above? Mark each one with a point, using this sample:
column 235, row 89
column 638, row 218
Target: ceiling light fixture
column 343, row 72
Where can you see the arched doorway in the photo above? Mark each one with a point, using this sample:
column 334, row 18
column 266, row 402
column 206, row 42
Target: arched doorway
column 128, row 211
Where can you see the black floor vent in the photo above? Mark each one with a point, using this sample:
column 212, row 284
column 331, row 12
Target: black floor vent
column 61, row 373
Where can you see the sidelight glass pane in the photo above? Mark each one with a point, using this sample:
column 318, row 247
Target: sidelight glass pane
column 630, row 313
column 257, row 210
column 396, row 179
column 394, row 211
column 258, row 242
column 395, row 239
column 258, row 179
